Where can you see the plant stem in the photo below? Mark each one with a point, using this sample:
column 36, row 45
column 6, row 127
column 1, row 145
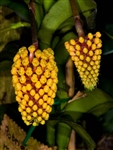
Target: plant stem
column 33, row 24
column 28, row 135
column 78, row 22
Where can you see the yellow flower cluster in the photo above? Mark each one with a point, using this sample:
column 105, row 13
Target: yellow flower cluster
column 35, row 84
column 86, row 54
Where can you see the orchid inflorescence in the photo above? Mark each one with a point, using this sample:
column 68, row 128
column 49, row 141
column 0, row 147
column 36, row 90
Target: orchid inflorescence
column 35, row 83
column 86, row 54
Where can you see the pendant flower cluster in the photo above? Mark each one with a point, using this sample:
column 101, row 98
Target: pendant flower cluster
column 34, row 77
column 86, row 54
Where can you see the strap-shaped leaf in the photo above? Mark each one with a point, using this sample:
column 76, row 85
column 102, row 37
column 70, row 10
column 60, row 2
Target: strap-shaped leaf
column 18, row 6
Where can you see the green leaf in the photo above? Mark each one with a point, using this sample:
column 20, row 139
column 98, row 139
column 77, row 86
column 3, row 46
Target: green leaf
column 107, row 39
column 101, row 109
column 52, row 20
column 7, row 94
column 78, row 128
column 83, row 134
column 83, row 105
column 18, row 6
column 60, row 52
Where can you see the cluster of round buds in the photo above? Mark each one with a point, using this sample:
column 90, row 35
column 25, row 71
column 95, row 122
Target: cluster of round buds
column 86, row 54
column 34, row 77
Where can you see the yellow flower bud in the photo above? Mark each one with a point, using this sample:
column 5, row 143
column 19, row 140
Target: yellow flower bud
column 39, row 111
column 17, row 63
column 81, row 39
column 20, row 109
column 41, row 92
column 16, row 57
column 38, row 53
column 23, row 102
column 47, row 73
column 94, row 57
column 53, row 74
column 43, row 79
column 35, row 124
column 39, row 70
column 93, row 46
column 34, row 78
column 96, row 40
column 32, row 92
column 22, row 79
column 88, row 59
column 49, row 82
column 29, row 117
column 40, row 101
column 50, row 66
column 38, row 84
column 26, row 97
column 24, row 89
column 54, row 87
column 99, row 45
column 24, row 113
column 45, row 97
column 98, row 34
column 18, row 99
column 53, row 95
column 36, row 96
column 44, row 115
column 20, row 94
column 66, row 44
column 50, row 92
column 90, row 36
column 77, row 47
column 18, row 86
column 71, row 48
column 44, row 105
column 21, row 71
column 28, row 109
column 30, row 103
column 31, row 48
column 85, row 65
column 39, row 119
column 47, row 117
column 28, row 86
column 89, row 43
column 72, row 42
column 81, row 57
column 14, row 71
column 35, row 62
column 85, row 50
column 42, row 122
column 34, row 114
column 43, row 63
column 35, row 107
column 92, row 63
column 29, row 71
column 25, row 61
column 89, row 68
column 77, row 53
column 90, row 53
column 80, row 63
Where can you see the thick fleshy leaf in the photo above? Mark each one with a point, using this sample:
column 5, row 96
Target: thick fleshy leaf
column 101, row 109
column 61, row 54
column 78, row 128
column 18, row 6
column 53, row 19
column 83, row 105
